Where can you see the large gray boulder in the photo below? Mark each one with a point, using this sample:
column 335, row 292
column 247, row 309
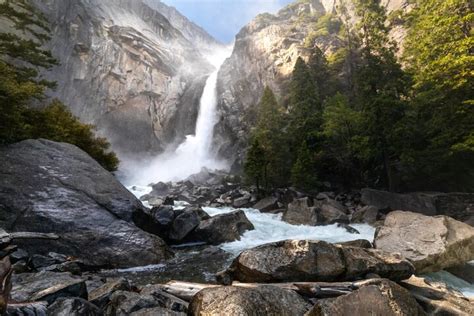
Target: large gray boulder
column 305, row 211
column 431, row 243
column 57, row 188
column 240, row 301
column 312, row 260
column 459, row 206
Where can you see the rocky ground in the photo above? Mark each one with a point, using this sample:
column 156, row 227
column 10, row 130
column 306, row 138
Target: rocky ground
column 69, row 228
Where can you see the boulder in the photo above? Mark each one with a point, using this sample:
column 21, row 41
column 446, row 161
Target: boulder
column 165, row 300
column 464, row 271
column 156, row 311
column 301, row 212
column 184, row 224
column 73, row 307
column 379, row 297
column 243, row 201
column 156, row 221
column 361, row 243
column 348, row 228
column 430, row 243
column 436, row 299
column 222, row 228
column 57, row 188
column 459, row 206
column 331, row 211
column 268, row 204
column 240, row 301
column 160, row 189
column 368, row 214
column 5, row 283
column 28, row 309
column 47, row 286
column 305, row 260
column 101, row 295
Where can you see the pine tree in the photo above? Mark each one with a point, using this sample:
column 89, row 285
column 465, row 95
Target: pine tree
column 269, row 135
column 303, row 172
column 439, row 53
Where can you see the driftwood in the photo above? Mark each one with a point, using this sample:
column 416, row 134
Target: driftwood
column 187, row 290
column 32, row 235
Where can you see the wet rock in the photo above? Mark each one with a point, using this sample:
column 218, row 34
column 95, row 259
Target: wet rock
column 367, row 214
column 301, row 212
column 156, row 221
column 101, row 295
column 436, row 299
column 124, row 303
column 268, row 204
column 19, row 255
column 330, row 211
column 431, row 243
column 39, row 261
column 262, row 300
column 465, row 271
column 28, row 309
column 47, row 286
column 243, row 201
column 380, row 297
column 222, row 228
column 165, row 300
column 160, row 189
column 184, row 224
column 73, row 307
column 348, row 228
column 68, row 193
column 303, row 260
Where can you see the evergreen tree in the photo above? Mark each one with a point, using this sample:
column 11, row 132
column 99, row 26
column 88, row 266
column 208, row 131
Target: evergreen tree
column 439, row 53
column 303, row 172
column 22, row 58
column 269, row 137
column 256, row 164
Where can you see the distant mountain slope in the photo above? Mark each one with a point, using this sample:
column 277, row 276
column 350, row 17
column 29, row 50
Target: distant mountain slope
column 128, row 70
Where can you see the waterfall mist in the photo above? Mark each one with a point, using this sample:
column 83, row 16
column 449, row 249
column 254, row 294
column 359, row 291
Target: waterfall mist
column 195, row 151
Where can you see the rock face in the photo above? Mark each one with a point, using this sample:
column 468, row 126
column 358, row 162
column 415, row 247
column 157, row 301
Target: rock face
column 265, row 53
column 383, row 297
column 431, row 243
column 302, row 260
column 263, row 300
column 57, row 188
column 147, row 74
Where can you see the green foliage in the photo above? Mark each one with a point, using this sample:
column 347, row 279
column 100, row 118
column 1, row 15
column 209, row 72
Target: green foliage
column 440, row 58
column 303, row 172
column 21, row 59
column 268, row 143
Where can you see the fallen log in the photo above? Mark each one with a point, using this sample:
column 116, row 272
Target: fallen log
column 187, row 290
column 33, row 235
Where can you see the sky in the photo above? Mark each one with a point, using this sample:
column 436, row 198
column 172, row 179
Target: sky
column 224, row 18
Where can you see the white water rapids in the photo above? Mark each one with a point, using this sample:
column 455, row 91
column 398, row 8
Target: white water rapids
column 195, row 151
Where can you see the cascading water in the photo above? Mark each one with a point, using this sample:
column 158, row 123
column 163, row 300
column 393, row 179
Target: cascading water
column 195, row 152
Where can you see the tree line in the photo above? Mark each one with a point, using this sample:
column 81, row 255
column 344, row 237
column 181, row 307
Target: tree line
column 25, row 111
column 359, row 118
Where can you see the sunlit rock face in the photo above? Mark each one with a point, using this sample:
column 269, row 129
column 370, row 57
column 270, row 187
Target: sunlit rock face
column 265, row 53
column 125, row 68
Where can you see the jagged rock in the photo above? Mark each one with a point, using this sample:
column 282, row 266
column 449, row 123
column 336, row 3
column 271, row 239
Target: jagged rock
column 301, row 212
column 47, row 286
column 380, row 297
column 222, row 228
column 302, row 260
column 367, row 214
column 268, row 204
column 262, row 300
column 29, row 309
column 39, row 261
column 101, row 295
column 73, row 307
column 5, row 283
column 18, row 255
column 431, row 243
column 56, row 187
column 124, row 303
column 165, row 300
column 74, row 267
column 436, row 299
column 243, row 201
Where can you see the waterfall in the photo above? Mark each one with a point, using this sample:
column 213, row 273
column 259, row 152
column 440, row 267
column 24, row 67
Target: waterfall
column 195, row 151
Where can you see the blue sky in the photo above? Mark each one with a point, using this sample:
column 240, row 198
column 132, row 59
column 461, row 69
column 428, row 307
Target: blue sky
column 224, row 18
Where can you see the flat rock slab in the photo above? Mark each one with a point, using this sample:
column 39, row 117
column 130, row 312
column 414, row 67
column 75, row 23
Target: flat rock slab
column 430, row 243
column 310, row 260
column 239, row 301
column 47, row 286
column 57, row 188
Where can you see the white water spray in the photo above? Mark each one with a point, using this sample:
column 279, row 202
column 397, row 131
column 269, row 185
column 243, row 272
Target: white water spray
column 195, row 152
